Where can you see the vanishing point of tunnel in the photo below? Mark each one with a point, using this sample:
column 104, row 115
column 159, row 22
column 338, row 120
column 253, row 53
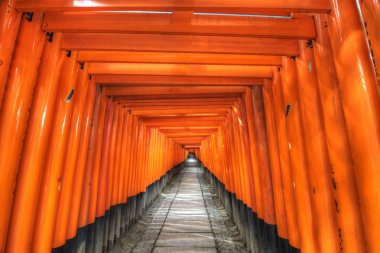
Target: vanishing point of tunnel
column 153, row 126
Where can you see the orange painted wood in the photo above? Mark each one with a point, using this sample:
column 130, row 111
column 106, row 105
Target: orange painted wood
column 243, row 6
column 371, row 16
column 209, row 111
column 111, row 157
column 261, row 138
column 180, row 23
column 178, row 43
column 122, row 198
column 104, row 153
column 361, row 104
column 254, row 153
column 177, row 90
column 278, row 189
column 317, row 160
column 95, row 164
column 71, row 156
column 342, row 166
column 53, row 167
column 96, row 123
column 15, row 110
column 9, row 25
column 175, row 80
column 81, row 163
column 283, row 148
column 35, row 147
column 168, row 57
column 302, row 187
column 180, row 69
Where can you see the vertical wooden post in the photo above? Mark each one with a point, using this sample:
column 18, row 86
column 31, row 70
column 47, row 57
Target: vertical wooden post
column 14, row 112
column 52, row 175
column 35, row 147
column 317, row 159
column 342, row 166
column 302, row 188
column 9, row 27
column 286, row 171
column 69, row 162
column 278, row 189
column 81, row 162
column 361, row 105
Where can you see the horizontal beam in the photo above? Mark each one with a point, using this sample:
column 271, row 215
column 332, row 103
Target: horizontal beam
column 177, row 103
column 167, row 69
column 184, row 130
column 177, row 106
column 238, row 6
column 211, row 111
column 167, row 57
column 182, row 95
column 175, row 80
column 180, row 23
column 179, row 43
column 174, row 90
column 184, row 135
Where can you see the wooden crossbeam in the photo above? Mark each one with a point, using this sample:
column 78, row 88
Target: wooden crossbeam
column 167, row 57
column 175, row 80
column 176, row 103
column 210, row 111
column 182, row 95
column 167, row 69
column 180, row 23
column 179, row 43
column 174, row 90
column 237, row 6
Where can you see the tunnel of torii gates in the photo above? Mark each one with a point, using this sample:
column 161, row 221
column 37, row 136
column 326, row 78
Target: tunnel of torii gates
column 280, row 100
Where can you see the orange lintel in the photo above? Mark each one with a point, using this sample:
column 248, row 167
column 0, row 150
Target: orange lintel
column 179, row 43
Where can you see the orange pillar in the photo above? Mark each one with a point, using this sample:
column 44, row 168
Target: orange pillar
column 105, row 149
column 285, row 166
column 278, row 189
column 262, row 149
column 252, row 140
column 361, row 105
column 93, row 166
column 81, row 162
column 112, row 155
column 301, row 184
column 9, row 27
column 95, row 121
column 64, row 203
column 342, row 165
column 52, row 176
column 35, row 147
column 370, row 10
column 15, row 110
column 317, row 160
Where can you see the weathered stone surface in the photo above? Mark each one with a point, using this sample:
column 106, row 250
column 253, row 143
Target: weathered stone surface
column 184, row 220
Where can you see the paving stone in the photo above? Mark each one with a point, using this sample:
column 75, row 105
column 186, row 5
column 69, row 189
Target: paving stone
column 187, row 221
column 187, row 226
column 193, row 240
column 183, row 250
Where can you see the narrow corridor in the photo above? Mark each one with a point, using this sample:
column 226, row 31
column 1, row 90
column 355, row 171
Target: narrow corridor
column 185, row 218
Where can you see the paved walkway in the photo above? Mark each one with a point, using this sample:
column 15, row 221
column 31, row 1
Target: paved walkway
column 184, row 219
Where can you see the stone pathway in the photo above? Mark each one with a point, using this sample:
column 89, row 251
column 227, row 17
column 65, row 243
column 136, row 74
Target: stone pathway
column 184, row 219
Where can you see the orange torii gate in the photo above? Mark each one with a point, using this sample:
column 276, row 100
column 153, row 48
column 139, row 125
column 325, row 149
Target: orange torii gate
column 101, row 101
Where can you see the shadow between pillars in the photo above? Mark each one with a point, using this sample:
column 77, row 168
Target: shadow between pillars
column 259, row 236
column 101, row 236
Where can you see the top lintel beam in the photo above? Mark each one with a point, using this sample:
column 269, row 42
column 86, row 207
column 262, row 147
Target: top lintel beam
column 238, row 6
